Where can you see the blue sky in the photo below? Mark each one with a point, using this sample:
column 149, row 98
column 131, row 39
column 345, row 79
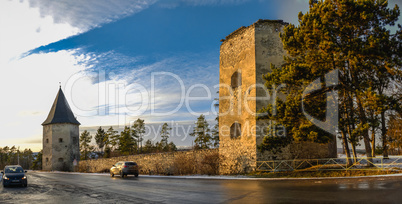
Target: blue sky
column 118, row 60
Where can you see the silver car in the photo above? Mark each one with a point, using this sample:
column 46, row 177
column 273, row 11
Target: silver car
column 124, row 168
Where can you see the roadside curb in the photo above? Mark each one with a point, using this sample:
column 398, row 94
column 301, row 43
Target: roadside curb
column 268, row 179
column 233, row 177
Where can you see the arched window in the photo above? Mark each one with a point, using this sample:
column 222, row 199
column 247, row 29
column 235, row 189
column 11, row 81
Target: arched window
column 236, row 80
column 235, row 130
column 47, row 159
column 47, row 140
column 60, row 140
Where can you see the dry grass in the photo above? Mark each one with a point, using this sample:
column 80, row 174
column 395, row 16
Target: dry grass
column 184, row 165
column 210, row 164
column 187, row 165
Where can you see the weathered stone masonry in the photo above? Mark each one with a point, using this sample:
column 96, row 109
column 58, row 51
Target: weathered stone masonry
column 158, row 163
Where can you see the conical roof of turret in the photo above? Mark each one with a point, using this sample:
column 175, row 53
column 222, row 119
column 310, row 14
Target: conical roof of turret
column 60, row 112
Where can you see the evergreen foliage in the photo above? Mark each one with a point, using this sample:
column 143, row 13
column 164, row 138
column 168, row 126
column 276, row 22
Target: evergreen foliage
column 85, row 147
column 202, row 134
column 138, row 130
column 350, row 36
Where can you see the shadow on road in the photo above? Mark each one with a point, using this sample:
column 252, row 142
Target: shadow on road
column 125, row 178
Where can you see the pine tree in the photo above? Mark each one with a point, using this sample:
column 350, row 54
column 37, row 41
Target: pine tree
column 100, row 138
column 215, row 133
column 138, row 130
column 202, row 133
column 113, row 138
column 165, row 133
column 349, row 36
column 149, row 147
column 85, row 147
column 127, row 144
column 37, row 163
column 171, row 147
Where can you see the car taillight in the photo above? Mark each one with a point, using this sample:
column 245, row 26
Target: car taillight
column 125, row 166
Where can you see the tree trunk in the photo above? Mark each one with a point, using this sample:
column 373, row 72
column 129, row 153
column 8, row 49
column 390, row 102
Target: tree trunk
column 346, row 148
column 384, row 136
column 353, row 143
column 373, row 142
column 354, row 153
column 351, row 127
column 366, row 137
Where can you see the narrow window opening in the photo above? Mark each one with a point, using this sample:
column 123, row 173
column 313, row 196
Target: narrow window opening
column 47, row 159
column 236, row 80
column 47, row 140
column 235, row 130
column 60, row 159
column 60, row 140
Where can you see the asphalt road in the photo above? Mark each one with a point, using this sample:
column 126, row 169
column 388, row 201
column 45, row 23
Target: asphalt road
column 88, row 188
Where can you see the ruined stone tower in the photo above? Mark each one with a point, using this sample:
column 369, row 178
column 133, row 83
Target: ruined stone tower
column 60, row 137
column 245, row 55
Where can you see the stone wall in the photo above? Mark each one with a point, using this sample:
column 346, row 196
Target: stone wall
column 237, row 55
column 169, row 163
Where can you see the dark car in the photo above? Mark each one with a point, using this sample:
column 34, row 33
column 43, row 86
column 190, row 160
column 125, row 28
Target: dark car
column 124, row 168
column 14, row 175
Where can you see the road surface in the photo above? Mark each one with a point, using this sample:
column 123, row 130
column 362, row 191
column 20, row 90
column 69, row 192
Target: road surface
column 89, row 188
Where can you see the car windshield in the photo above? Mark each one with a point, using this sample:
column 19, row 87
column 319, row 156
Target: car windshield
column 14, row 170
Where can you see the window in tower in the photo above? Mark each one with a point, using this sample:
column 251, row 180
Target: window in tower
column 236, row 80
column 235, row 130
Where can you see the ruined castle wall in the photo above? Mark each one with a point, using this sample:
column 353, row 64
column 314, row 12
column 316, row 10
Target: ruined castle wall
column 186, row 162
column 237, row 54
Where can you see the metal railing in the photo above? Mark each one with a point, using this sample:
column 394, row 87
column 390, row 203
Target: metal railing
column 361, row 163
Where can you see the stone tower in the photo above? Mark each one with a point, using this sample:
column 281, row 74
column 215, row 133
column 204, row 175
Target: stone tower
column 60, row 137
column 245, row 55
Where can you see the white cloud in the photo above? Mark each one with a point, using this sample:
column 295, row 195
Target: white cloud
column 23, row 29
column 89, row 13
column 176, row 3
column 28, row 88
column 29, row 24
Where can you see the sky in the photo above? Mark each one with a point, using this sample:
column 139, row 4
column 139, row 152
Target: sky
column 118, row 60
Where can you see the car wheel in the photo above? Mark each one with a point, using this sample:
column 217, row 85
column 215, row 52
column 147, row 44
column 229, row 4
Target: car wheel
column 136, row 175
column 111, row 174
column 121, row 174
